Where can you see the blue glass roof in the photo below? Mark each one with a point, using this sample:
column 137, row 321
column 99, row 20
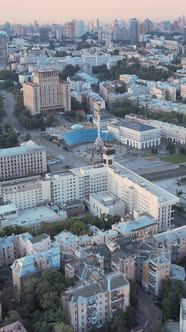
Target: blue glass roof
column 86, row 135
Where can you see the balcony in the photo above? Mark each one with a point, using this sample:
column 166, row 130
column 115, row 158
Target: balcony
column 91, row 303
column 152, row 273
column 117, row 298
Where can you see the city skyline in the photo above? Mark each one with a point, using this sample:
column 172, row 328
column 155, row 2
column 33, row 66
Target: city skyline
column 107, row 11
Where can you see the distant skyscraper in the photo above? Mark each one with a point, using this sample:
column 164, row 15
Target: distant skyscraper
column 3, row 48
column 43, row 33
column 97, row 23
column 134, row 31
column 36, row 26
column 148, row 25
column 70, row 29
column 80, row 28
column 184, row 34
column 166, row 26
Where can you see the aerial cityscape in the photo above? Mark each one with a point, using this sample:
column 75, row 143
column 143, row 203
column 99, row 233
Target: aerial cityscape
column 93, row 166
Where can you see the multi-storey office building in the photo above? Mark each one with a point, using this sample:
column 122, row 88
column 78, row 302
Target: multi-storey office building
column 46, row 92
column 27, row 159
column 26, row 193
column 93, row 302
column 137, row 193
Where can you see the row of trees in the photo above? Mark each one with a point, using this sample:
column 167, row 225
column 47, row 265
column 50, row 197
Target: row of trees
column 8, row 137
column 8, row 75
column 134, row 67
column 68, row 71
column 127, row 107
column 74, row 225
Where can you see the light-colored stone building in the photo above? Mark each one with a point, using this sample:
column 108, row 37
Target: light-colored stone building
column 27, row 192
column 105, row 203
column 135, row 134
column 27, row 159
column 167, row 130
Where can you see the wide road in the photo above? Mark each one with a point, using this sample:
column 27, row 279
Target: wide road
column 167, row 174
column 67, row 157
column 10, row 117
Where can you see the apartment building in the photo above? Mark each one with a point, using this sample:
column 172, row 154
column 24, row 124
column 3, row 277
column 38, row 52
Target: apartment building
column 46, row 92
column 15, row 246
column 27, row 159
column 8, row 250
column 92, row 303
column 175, row 241
column 28, row 265
column 183, row 91
column 139, row 228
column 135, row 134
column 27, row 192
column 155, row 269
column 105, row 88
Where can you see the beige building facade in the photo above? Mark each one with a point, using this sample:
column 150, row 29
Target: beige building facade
column 93, row 303
column 155, row 269
column 46, row 92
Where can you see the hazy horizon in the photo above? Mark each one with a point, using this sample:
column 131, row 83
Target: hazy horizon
column 60, row 11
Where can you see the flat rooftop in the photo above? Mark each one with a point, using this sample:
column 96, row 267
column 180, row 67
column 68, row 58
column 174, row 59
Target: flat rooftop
column 128, row 227
column 23, row 149
column 163, row 195
column 105, row 198
column 171, row 235
column 134, row 125
column 34, row 215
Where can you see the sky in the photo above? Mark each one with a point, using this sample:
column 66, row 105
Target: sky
column 59, row 11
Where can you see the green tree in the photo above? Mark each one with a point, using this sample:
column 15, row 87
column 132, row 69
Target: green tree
column 62, row 327
column 119, row 321
column 12, row 317
column 172, row 292
column 158, row 327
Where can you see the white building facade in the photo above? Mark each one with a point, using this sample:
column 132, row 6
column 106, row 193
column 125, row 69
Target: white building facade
column 135, row 134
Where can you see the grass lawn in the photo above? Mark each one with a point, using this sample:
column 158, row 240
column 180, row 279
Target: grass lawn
column 174, row 158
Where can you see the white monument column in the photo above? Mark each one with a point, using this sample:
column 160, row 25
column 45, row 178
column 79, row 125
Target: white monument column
column 99, row 142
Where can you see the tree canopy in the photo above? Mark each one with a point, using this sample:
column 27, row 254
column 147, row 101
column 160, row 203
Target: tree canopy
column 172, row 292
